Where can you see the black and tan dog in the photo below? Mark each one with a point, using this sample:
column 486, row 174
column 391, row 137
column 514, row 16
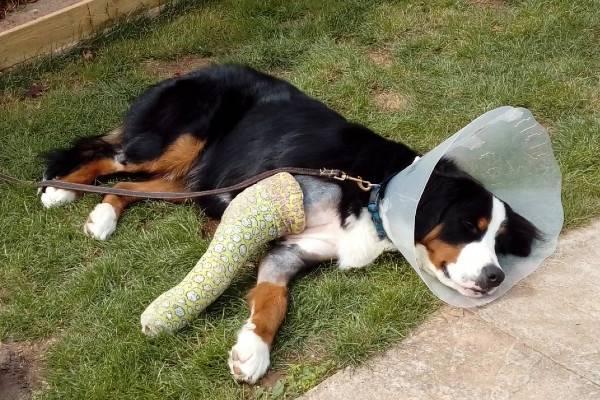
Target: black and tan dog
column 220, row 125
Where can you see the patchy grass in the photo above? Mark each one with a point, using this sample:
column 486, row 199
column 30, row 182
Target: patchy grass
column 164, row 69
column 381, row 57
column 389, row 101
column 413, row 71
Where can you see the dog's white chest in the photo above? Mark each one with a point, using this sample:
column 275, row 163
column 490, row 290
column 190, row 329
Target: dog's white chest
column 354, row 246
column 359, row 244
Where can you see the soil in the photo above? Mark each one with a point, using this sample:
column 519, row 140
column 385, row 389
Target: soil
column 21, row 366
column 168, row 69
column 29, row 10
column 381, row 57
column 390, row 101
column 271, row 378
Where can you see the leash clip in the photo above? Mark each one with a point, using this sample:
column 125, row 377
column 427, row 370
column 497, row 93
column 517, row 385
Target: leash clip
column 342, row 176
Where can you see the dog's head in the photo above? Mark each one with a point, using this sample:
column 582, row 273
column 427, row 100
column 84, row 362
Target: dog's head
column 461, row 228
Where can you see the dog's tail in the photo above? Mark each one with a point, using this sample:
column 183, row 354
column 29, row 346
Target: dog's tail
column 64, row 161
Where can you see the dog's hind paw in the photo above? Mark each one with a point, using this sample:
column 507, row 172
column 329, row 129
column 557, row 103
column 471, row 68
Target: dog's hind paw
column 101, row 222
column 249, row 357
column 53, row 197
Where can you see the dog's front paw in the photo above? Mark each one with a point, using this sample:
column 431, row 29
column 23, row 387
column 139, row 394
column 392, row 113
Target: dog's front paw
column 249, row 357
column 53, row 197
column 101, row 222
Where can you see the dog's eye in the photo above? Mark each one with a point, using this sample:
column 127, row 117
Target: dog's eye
column 470, row 226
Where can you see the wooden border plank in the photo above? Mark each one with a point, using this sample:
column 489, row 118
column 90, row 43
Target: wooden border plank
column 61, row 29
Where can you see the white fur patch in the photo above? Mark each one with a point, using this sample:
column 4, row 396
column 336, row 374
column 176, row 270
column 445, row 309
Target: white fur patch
column 101, row 222
column 249, row 358
column 53, row 197
column 319, row 238
column 359, row 244
column 354, row 246
column 225, row 197
column 475, row 256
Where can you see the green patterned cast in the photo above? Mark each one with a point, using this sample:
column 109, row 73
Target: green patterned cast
column 270, row 209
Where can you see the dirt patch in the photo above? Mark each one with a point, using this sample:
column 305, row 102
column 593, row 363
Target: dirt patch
column 169, row 69
column 9, row 6
column 390, row 101
column 381, row 57
column 19, row 12
column 35, row 90
column 208, row 228
column 21, row 368
column 271, row 378
column 3, row 296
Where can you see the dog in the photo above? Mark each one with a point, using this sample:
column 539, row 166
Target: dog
column 220, row 125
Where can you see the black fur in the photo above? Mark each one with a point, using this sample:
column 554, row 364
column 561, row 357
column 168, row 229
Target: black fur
column 455, row 200
column 253, row 123
column 518, row 235
column 60, row 162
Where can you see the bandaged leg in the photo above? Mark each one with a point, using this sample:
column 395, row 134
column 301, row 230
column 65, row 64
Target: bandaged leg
column 263, row 212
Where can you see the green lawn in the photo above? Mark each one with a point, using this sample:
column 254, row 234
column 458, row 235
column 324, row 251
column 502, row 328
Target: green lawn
column 414, row 71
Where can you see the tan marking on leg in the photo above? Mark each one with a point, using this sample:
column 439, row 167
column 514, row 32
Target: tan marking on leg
column 176, row 161
column 88, row 172
column 119, row 203
column 173, row 164
column 268, row 302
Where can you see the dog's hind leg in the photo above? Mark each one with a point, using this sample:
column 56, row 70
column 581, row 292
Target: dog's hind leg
column 102, row 221
column 82, row 162
column 169, row 169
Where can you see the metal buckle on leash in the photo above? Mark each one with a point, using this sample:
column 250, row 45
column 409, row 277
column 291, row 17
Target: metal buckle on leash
column 342, row 176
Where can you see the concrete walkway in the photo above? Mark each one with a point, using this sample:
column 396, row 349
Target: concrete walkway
column 540, row 341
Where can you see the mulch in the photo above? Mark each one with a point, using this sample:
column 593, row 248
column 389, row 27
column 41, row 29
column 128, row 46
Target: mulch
column 8, row 6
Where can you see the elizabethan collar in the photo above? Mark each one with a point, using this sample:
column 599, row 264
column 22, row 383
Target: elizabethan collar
column 511, row 155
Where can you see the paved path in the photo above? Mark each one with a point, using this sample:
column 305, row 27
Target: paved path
column 540, row 341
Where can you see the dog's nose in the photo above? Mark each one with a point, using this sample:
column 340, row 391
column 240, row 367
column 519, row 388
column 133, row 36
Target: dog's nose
column 490, row 277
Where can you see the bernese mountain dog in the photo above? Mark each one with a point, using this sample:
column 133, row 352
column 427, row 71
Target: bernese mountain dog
column 220, row 125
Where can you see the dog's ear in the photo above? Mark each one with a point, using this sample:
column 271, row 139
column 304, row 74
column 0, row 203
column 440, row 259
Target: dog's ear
column 436, row 198
column 517, row 235
column 440, row 192
column 447, row 168
column 446, row 185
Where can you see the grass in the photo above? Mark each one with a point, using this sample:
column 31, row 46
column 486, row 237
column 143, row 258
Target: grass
column 445, row 62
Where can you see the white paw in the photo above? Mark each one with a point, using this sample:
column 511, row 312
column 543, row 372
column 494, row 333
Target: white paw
column 53, row 197
column 249, row 357
column 101, row 222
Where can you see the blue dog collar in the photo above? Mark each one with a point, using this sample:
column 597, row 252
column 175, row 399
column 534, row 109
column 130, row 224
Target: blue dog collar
column 373, row 205
column 373, row 208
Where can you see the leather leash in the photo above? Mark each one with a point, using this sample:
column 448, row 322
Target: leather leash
column 79, row 187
